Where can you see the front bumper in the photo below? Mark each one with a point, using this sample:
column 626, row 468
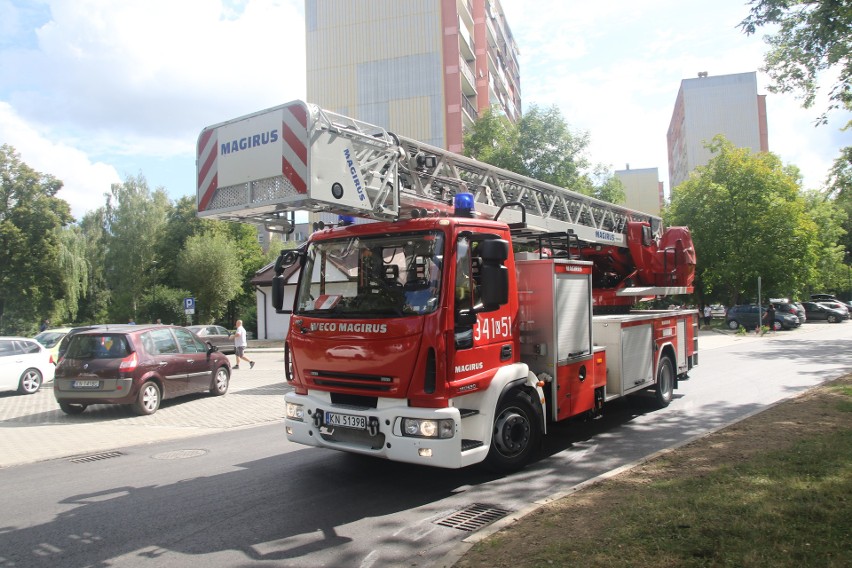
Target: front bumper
column 383, row 437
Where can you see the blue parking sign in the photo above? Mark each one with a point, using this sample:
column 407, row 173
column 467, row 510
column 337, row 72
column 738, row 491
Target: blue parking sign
column 189, row 304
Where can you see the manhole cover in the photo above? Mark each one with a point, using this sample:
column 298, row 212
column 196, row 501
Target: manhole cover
column 473, row 517
column 179, row 454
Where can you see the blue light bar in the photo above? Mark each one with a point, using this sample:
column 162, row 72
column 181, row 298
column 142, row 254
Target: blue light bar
column 463, row 204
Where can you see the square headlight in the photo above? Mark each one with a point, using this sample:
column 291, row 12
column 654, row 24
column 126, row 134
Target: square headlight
column 295, row 411
column 427, row 428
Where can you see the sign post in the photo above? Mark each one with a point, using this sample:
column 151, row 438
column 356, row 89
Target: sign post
column 189, row 308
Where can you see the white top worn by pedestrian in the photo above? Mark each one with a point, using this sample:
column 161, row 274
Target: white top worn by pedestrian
column 240, row 345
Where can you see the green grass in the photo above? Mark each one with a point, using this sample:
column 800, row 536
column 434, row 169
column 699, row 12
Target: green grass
column 791, row 508
column 787, row 508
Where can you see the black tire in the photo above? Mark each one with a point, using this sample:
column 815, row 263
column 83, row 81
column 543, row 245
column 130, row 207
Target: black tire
column 831, row 318
column 732, row 324
column 221, row 379
column 664, row 389
column 30, row 381
column 72, row 409
column 148, row 400
column 777, row 326
column 516, row 435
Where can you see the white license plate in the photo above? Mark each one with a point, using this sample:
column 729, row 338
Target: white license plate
column 345, row 421
column 86, row 384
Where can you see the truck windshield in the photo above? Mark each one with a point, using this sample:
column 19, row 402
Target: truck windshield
column 387, row 275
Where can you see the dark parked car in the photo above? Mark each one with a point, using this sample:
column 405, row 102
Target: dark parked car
column 790, row 308
column 836, row 305
column 138, row 366
column 215, row 334
column 749, row 315
column 817, row 311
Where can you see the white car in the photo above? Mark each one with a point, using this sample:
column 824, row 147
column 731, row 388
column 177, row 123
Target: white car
column 24, row 365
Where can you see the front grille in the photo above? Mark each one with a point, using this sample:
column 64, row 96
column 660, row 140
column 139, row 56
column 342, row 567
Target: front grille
column 354, row 400
column 356, row 381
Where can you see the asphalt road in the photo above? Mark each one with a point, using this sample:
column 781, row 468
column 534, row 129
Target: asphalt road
column 225, row 491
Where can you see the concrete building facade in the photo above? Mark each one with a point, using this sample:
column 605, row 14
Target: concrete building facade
column 643, row 189
column 711, row 105
column 421, row 68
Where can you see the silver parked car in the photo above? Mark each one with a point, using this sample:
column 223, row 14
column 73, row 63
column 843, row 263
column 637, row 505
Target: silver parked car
column 216, row 335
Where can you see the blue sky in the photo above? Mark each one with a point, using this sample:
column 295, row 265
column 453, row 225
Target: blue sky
column 92, row 91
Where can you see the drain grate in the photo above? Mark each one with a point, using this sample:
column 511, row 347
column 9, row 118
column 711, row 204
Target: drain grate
column 96, row 457
column 473, row 517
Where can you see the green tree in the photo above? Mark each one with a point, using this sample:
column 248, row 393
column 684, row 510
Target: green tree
column 541, row 146
column 30, row 244
column 74, row 268
column 830, row 274
column 209, row 266
column 813, row 36
column 839, row 187
column 748, row 219
column 135, row 217
column 182, row 222
column 94, row 305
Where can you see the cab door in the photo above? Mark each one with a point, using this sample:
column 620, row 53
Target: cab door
column 484, row 334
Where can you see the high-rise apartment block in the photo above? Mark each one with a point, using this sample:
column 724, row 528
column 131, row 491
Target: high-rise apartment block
column 421, row 68
column 707, row 106
column 643, row 189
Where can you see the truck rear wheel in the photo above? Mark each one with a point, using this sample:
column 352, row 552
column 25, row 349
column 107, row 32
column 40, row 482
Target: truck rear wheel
column 516, row 435
column 664, row 391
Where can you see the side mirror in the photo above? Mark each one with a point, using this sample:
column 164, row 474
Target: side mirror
column 278, row 293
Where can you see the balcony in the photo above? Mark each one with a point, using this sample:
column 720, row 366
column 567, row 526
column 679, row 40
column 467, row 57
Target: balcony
column 469, row 109
column 467, row 47
column 468, row 79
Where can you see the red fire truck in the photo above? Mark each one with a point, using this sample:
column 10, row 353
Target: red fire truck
column 472, row 310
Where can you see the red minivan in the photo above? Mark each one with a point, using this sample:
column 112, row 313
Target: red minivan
column 137, row 366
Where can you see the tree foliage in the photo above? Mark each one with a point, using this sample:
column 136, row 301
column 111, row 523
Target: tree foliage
column 135, row 217
column 813, row 37
column 839, row 187
column 31, row 217
column 541, row 146
column 748, row 219
column 209, row 265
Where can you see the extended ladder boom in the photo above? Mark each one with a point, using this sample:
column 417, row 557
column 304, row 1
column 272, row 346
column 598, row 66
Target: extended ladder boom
column 299, row 157
column 263, row 167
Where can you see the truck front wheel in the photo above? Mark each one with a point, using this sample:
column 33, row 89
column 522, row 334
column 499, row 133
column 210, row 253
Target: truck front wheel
column 516, row 435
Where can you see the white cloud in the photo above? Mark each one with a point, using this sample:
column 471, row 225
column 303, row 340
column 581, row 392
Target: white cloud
column 136, row 81
column 84, row 182
column 622, row 85
column 95, row 90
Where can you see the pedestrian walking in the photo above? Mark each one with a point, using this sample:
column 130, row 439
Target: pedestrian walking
column 770, row 317
column 708, row 313
column 240, row 343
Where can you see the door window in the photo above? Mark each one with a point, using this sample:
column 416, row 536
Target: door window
column 7, row 348
column 188, row 343
column 162, row 342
